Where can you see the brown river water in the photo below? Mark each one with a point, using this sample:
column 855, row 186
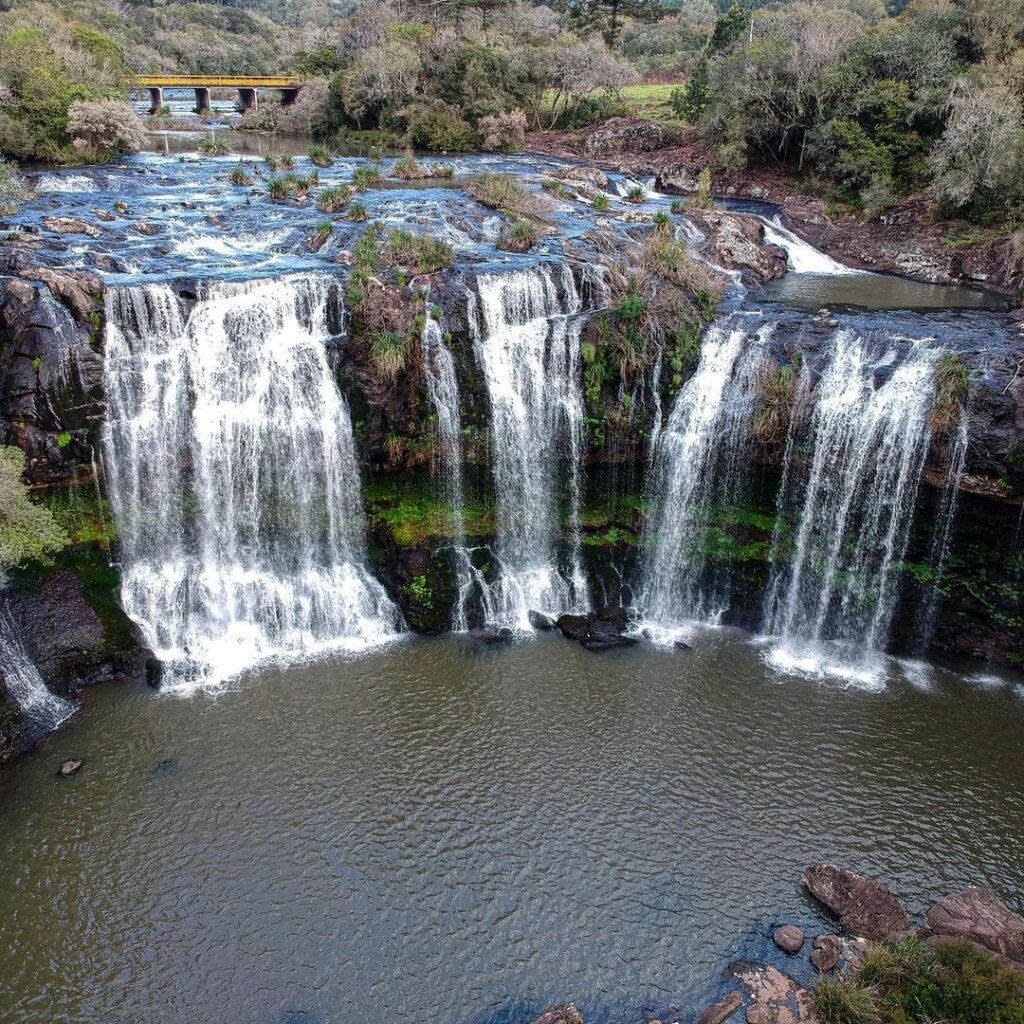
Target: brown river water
column 453, row 834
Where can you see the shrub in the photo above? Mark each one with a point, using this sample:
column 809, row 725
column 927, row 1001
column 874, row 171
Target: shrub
column 505, row 132
column 702, row 197
column 436, row 126
column 331, row 200
column 389, row 352
column 601, row 202
column 27, row 531
column 417, row 253
column 843, row 1002
column 240, row 176
column 214, row 146
column 13, row 188
column 310, row 113
column 102, row 129
column 895, row 962
column 366, row 177
column 636, row 195
column 319, row 155
column 519, row 236
column 777, row 390
column 287, row 161
column 273, row 162
column 678, row 206
column 357, row 212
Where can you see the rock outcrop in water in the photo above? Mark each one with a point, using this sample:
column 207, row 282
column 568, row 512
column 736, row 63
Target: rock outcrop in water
column 864, row 907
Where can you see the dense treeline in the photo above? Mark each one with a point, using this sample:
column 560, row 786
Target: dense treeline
column 874, row 106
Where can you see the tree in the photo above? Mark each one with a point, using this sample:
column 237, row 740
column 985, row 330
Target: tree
column 607, row 15
column 102, row 129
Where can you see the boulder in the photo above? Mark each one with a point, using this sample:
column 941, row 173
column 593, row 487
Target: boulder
column 979, row 915
column 598, row 631
column 826, row 951
column 864, row 908
column 775, row 997
column 735, row 241
column 491, row 634
column 584, row 176
column 788, row 938
column 624, row 135
column 145, row 228
column 70, row 767
column 71, row 226
column 566, row 1013
column 80, row 290
column 541, row 621
column 721, row 1011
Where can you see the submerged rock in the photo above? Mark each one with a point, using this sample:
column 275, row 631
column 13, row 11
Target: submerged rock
column 788, row 938
column 979, row 915
column 565, row 1013
column 721, row 1011
column 70, row 767
column 864, row 908
column 491, row 635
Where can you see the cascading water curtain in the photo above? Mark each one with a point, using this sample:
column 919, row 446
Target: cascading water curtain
column 697, row 466
column 23, row 681
column 527, row 326
column 233, row 478
column 834, row 590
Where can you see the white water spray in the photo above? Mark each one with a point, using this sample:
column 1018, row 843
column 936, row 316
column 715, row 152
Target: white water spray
column 233, row 478
column 832, row 598
column 24, row 683
column 527, row 327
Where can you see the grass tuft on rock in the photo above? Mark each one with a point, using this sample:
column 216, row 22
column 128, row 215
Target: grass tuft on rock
column 953, row 381
column 419, row 254
column 504, row 192
column 319, row 155
column 331, row 200
column 519, row 236
column 840, row 1001
column 390, row 353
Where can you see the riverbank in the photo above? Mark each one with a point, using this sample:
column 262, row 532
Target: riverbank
column 907, row 240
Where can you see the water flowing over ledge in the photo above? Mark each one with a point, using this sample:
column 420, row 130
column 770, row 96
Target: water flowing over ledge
column 233, row 478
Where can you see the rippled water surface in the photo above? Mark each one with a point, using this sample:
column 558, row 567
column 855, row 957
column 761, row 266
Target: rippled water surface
column 445, row 833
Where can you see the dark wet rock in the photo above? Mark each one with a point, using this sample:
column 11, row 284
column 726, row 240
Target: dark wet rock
column 71, row 644
column 70, row 767
column 146, row 228
column 721, row 1011
column 826, row 951
column 980, row 916
column 165, row 767
column 864, row 908
column 154, row 670
column 566, row 1013
column 788, row 938
column 71, row 226
column 624, row 134
column 491, row 634
column 598, row 631
column 775, row 998
column 541, row 621
column 104, row 215
column 681, row 645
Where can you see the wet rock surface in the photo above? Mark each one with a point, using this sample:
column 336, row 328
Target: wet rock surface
column 736, row 242
column 775, row 998
column 788, row 938
column 826, row 951
column 864, row 907
column 567, row 1013
column 598, row 631
column 721, row 1011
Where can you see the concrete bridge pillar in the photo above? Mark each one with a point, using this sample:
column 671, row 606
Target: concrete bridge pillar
column 248, row 98
column 156, row 98
column 289, row 96
column 202, row 100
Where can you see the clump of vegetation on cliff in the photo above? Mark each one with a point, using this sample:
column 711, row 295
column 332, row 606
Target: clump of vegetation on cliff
column 28, row 532
column 419, row 254
column 952, row 386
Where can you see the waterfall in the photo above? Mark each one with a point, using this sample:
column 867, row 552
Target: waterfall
column 24, row 683
column 526, row 325
column 696, row 467
column 956, row 460
column 803, row 257
column 233, row 478
column 443, row 387
column 831, row 601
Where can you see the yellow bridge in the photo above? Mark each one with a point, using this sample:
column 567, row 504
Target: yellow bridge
column 248, row 87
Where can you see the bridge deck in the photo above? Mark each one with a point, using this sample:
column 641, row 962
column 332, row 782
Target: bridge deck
column 230, row 81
